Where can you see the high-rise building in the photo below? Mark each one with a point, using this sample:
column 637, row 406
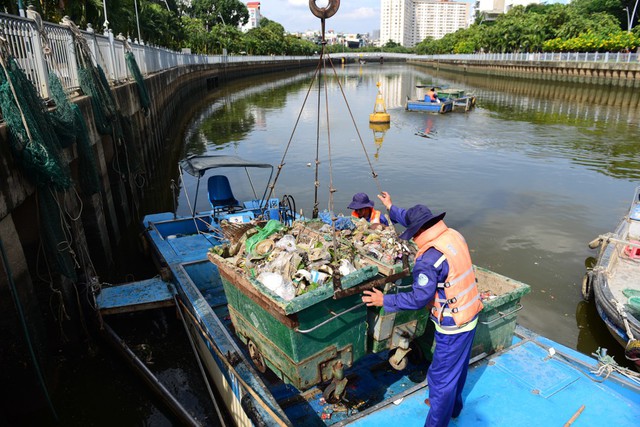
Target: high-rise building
column 408, row 22
column 254, row 16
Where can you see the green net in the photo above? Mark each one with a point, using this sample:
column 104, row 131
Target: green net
column 32, row 137
column 54, row 237
column 36, row 150
column 75, row 129
column 104, row 112
column 132, row 149
column 145, row 101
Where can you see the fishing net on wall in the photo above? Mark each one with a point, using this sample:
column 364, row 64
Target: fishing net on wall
column 107, row 117
column 145, row 100
column 36, row 149
column 70, row 117
column 33, row 139
column 104, row 111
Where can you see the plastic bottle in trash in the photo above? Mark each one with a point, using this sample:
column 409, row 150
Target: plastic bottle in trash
column 276, row 284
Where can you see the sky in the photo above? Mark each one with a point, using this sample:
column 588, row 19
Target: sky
column 353, row 16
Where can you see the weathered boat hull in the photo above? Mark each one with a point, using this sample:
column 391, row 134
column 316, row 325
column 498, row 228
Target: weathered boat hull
column 431, row 107
column 617, row 272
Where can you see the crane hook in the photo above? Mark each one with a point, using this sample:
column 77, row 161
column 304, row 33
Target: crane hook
column 324, row 12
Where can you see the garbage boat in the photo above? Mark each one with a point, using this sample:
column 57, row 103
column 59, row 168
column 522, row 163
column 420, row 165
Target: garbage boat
column 509, row 363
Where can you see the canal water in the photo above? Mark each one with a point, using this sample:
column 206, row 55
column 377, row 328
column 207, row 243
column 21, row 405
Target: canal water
column 529, row 177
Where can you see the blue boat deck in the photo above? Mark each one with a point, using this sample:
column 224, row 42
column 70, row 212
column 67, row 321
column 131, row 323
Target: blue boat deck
column 521, row 386
column 525, row 386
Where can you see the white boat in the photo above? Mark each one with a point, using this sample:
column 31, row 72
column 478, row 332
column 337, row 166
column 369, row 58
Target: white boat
column 614, row 283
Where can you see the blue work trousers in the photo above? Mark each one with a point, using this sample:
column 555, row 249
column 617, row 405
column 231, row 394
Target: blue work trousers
column 447, row 375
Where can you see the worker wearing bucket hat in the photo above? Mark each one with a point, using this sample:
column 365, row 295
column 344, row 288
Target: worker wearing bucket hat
column 444, row 280
column 363, row 208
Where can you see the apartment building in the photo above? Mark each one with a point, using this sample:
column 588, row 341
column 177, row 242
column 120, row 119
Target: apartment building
column 408, row 22
column 254, row 16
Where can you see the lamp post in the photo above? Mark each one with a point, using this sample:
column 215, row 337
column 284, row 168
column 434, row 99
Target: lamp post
column 626, row 9
column 106, row 21
column 224, row 50
column 135, row 4
column 630, row 17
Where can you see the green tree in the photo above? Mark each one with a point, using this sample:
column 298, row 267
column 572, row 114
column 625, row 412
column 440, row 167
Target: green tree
column 214, row 12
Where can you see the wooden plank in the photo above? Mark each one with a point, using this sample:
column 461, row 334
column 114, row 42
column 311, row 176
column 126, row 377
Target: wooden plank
column 135, row 296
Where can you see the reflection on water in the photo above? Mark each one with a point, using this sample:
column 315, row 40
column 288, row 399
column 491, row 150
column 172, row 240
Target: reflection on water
column 379, row 130
column 530, row 176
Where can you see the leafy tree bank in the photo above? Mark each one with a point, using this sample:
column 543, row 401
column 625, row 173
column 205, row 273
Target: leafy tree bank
column 580, row 26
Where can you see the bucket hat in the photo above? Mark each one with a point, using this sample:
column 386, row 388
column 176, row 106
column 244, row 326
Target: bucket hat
column 418, row 216
column 360, row 200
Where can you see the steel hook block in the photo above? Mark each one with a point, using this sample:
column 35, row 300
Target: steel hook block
column 324, row 12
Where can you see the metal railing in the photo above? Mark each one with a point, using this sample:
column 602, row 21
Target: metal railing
column 42, row 47
column 616, row 57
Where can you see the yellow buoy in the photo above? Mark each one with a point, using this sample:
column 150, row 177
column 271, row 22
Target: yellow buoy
column 379, row 114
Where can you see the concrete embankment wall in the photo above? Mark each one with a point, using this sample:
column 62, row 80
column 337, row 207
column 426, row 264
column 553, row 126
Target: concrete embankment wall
column 622, row 74
column 50, row 303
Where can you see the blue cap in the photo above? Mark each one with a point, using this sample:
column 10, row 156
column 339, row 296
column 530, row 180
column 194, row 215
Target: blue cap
column 419, row 216
column 360, row 200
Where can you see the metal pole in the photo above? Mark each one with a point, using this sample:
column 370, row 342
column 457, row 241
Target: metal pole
column 21, row 9
column 135, row 3
column 633, row 15
column 106, row 21
column 626, row 9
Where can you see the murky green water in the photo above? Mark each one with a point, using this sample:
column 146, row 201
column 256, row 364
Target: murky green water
column 529, row 177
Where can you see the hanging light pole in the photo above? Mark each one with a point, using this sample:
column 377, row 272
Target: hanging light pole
column 633, row 15
column 106, row 21
column 135, row 4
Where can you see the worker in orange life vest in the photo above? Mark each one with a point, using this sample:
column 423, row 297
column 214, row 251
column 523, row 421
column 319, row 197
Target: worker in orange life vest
column 443, row 279
column 363, row 208
column 431, row 96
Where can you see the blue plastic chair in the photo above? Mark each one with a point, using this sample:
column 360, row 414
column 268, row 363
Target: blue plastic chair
column 220, row 195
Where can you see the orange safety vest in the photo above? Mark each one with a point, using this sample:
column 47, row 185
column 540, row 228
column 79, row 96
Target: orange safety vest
column 375, row 216
column 462, row 299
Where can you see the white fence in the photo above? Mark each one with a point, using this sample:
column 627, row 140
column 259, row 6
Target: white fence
column 42, row 47
column 544, row 56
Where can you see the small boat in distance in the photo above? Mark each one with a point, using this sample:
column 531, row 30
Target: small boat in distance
column 423, row 103
column 462, row 101
column 614, row 282
column 432, row 107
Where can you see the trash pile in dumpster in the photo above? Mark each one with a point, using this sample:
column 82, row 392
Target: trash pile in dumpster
column 293, row 260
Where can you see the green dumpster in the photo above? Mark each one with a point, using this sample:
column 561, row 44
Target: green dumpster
column 497, row 320
column 394, row 331
column 305, row 341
